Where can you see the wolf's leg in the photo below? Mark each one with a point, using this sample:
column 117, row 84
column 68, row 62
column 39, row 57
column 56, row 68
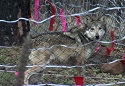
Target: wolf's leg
column 80, row 62
column 35, row 78
column 30, row 72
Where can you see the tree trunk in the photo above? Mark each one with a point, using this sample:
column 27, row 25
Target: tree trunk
column 10, row 33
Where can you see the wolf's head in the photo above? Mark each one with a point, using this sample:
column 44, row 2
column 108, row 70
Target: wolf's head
column 95, row 26
column 95, row 30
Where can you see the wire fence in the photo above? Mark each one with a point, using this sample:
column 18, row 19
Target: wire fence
column 62, row 53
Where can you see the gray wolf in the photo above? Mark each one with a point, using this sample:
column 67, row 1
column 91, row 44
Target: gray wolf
column 70, row 48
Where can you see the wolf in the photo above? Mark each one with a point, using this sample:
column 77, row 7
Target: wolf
column 70, row 48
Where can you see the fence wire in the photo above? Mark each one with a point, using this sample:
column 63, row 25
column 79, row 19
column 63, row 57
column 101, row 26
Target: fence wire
column 56, row 58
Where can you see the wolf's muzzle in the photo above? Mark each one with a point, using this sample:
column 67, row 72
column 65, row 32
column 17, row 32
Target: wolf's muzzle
column 97, row 36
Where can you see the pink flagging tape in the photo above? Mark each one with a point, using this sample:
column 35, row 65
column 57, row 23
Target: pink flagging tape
column 123, row 59
column 36, row 11
column 98, row 48
column 78, row 20
column 17, row 73
column 110, row 49
column 62, row 20
column 52, row 20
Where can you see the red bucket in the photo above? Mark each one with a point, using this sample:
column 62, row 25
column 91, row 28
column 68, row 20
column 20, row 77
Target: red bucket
column 79, row 80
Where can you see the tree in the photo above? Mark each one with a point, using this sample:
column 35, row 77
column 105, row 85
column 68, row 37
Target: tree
column 13, row 33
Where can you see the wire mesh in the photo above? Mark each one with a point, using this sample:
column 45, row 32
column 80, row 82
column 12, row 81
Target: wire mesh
column 59, row 58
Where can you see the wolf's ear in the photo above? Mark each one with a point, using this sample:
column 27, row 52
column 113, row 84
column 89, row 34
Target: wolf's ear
column 86, row 21
column 90, row 18
column 102, row 18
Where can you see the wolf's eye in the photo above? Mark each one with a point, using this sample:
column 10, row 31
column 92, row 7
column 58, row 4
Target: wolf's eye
column 100, row 28
column 92, row 28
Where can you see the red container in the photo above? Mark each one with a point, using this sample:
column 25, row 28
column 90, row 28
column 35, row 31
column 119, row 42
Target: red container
column 79, row 80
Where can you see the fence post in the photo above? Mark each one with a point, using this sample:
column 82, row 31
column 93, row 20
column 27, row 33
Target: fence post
column 23, row 61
